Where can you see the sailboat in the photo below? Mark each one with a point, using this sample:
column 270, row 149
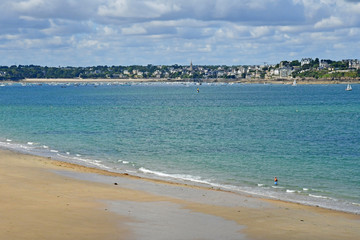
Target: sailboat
column 294, row 82
column 348, row 88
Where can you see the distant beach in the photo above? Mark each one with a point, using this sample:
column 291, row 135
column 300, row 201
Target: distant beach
column 220, row 80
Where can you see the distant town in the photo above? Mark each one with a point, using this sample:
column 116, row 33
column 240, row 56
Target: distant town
column 304, row 69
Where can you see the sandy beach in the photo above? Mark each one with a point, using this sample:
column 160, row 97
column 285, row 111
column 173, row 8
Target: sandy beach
column 46, row 199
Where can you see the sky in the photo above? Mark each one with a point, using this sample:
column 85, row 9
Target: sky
column 166, row 32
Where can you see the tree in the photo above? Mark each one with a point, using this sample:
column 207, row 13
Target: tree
column 295, row 63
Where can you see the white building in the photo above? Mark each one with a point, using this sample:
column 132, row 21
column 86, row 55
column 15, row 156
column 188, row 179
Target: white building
column 305, row 61
column 324, row 64
column 285, row 72
column 354, row 63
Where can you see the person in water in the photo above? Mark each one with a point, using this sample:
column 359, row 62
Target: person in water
column 275, row 180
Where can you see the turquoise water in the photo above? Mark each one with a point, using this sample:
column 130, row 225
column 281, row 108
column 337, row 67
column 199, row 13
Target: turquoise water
column 236, row 137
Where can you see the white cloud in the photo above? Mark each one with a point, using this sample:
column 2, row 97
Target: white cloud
column 9, row 37
column 92, row 44
column 339, row 46
column 206, row 48
column 109, row 31
column 331, row 22
column 324, row 37
column 28, row 5
column 354, row 32
column 134, row 30
column 260, row 31
column 136, row 9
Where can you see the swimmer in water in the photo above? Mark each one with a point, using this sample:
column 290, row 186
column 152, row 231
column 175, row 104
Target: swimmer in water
column 275, row 180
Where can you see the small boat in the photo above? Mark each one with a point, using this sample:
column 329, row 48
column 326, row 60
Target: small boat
column 348, row 88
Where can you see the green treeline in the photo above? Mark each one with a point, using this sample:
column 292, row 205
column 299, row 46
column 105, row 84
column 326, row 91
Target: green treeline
column 312, row 68
column 325, row 69
column 135, row 71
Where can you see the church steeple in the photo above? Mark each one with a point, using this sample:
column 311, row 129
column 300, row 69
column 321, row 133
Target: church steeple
column 191, row 66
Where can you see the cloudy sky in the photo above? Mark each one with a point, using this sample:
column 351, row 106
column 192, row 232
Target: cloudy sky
column 127, row 32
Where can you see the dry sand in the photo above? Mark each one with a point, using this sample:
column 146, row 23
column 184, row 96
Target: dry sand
column 45, row 199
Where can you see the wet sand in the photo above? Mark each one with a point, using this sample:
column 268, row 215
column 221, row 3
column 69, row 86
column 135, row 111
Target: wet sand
column 45, row 199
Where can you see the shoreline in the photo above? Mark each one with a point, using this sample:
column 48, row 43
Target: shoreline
column 52, row 187
column 89, row 166
column 288, row 81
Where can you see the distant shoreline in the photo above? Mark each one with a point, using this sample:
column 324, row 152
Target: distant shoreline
column 245, row 81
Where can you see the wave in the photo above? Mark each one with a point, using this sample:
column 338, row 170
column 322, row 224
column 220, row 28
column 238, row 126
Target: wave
column 46, row 151
column 261, row 190
column 175, row 176
column 318, row 196
column 123, row 162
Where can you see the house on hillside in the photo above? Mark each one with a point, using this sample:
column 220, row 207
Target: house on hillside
column 285, row 71
column 324, row 64
column 354, row 63
column 305, row 61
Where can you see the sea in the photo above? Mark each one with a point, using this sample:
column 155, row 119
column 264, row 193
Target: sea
column 235, row 137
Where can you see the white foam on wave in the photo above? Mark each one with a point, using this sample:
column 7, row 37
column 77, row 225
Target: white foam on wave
column 96, row 163
column 8, row 140
column 318, row 196
column 305, row 189
column 30, row 143
column 54, row 151
column 290, row 191
column 46, row 147
column 260, row 185
column 175, row 176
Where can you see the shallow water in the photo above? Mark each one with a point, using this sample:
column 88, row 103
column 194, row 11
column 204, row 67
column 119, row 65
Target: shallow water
column 237, row 137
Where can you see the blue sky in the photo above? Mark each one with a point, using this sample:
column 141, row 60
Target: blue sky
column 127, row 32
